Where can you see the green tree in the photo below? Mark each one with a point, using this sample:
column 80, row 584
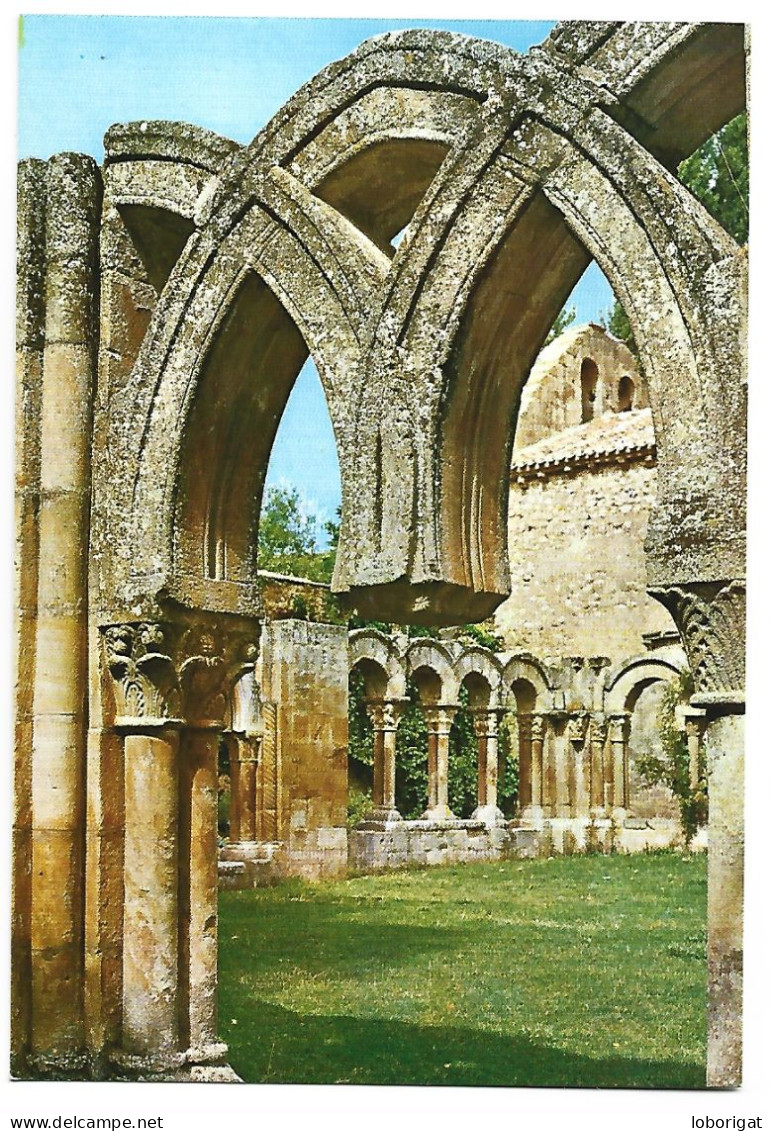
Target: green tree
column 717, row 175
column 287, row 538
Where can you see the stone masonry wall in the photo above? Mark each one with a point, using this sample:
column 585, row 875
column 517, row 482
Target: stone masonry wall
column 577, row 561
column 305, row 678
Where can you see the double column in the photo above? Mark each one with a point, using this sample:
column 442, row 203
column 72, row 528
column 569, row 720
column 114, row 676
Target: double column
column 439, row 719
column 385, row 715
column 246, row 807
column 171, row 684
column 617, row 787
column 486, row 727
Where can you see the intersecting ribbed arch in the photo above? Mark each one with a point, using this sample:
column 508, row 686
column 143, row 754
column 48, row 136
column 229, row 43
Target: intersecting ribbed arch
column 422, row 357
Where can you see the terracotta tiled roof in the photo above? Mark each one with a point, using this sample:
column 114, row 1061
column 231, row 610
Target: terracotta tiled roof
column 610, row 435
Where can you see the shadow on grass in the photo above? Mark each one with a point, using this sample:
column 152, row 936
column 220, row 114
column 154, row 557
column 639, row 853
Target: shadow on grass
column 329, row 939
column 271, row 1044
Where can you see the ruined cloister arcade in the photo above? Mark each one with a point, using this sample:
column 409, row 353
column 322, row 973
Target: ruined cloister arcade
column 166, row 303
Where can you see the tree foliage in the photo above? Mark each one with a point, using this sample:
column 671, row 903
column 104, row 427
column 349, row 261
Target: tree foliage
column 717, row 174
column 287, row 538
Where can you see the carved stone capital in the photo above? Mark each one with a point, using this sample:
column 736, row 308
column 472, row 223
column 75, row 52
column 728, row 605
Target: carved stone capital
column 710, row 618
column 599, row 730
column 619, row 727
column 385, row 714
column 577, row 729
column 144, row 676
column 439, row 717
column 486, row 721
column 166, row 673
column 537, row 728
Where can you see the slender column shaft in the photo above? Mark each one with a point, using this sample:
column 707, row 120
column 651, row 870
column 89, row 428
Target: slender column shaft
column 151, row 909
column 598, row 733
column 724, row 748
column 537, row 758
column 59, row 724
column 525, row 761
column 198, row 868
column 385, row 715
column 620, row 727
column 439, row 720
column 244, row 788
column 563, row 756
column 29, row 364
column 234, row 815
column 486, row 724
column 695, row 726
column 578, row 759
column 270, row 774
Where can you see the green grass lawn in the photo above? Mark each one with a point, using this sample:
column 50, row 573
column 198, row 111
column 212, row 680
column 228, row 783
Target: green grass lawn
column 584, row 971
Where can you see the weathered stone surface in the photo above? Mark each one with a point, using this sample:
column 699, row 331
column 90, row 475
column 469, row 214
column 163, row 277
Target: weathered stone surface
column 162, row 323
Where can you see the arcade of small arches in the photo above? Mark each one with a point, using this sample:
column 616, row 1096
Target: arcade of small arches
column 166, row 303
column 572, row 730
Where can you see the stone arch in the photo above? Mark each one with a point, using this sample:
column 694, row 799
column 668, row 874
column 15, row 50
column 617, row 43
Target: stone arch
column 625, row 394
column 469, row 339
column 479, row 670
column 626, row 681
column 430, row 664
column 530, row 672
column 379, row 657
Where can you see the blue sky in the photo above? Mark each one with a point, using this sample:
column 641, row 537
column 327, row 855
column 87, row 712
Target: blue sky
column 80, row 74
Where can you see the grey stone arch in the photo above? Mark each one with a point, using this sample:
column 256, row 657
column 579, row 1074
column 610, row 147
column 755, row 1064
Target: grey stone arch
column 480, row 671
column 625, row 682
column 431, row 666
column 544, row 186
column 623, row 687
column 380, row 660
column 196, row 441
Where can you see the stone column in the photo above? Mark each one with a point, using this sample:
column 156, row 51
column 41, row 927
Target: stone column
column 619, row 727
column 147, row 714
column 198, row 894
column 534, row 810
column 695, row 722
column 209, row 663
column 486, row 727
column 724, row 750
column 439, row 719
column 562, row 753
column 30, row 324
column 171, row 683
column 711, row 620
column 151, row 1035
column 244, row 762
column 58, row 771
column 385, row 715
column 270, row 775
column 598, row 735
column 579, row 767
column 524, row 761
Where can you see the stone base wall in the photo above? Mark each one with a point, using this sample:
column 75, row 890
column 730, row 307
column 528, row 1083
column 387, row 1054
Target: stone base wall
column 569, row 835
column 315, row 854
column 401, row 844
column 328, row 853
